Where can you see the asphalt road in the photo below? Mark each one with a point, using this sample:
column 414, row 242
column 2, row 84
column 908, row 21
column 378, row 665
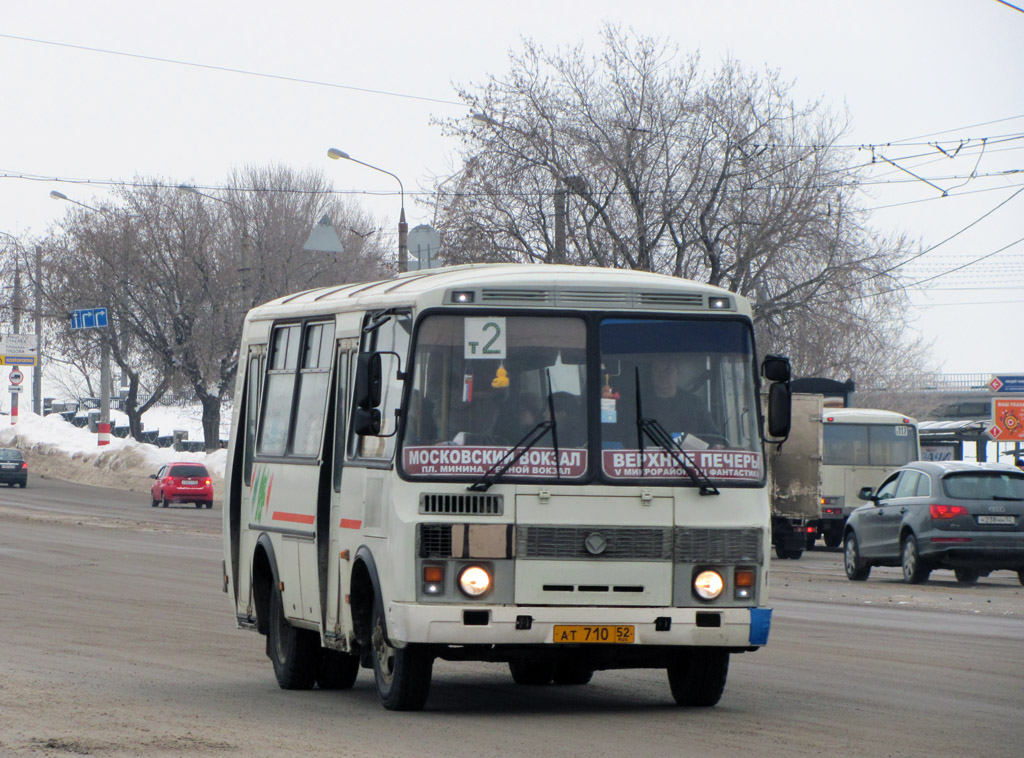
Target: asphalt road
column 115, row 639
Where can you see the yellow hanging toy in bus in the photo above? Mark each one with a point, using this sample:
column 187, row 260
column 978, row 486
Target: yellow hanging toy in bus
column 501, row 378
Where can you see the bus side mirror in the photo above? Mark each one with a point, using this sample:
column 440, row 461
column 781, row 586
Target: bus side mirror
column 367, row 422
column 369, row 381
column 780, row 410
column 776, row 368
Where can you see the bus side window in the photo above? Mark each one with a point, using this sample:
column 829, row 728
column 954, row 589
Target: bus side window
column 340, row 417
column 252, row 405
column 280, row 386
column 314, row 380
column 391, row 337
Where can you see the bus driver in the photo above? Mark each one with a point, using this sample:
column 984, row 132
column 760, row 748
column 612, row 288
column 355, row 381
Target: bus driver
column 680, row 413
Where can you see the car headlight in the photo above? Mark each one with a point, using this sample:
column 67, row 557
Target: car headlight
column 708, row 584
column 474, row 581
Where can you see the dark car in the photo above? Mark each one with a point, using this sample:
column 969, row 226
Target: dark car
column 182, row 483
column 967, row 517
column 13, row 467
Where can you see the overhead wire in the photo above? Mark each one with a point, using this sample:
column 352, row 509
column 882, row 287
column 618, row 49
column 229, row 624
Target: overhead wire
column 232, row 70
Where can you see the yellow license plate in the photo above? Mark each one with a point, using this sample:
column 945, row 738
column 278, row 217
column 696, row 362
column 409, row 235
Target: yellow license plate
column 608, row 634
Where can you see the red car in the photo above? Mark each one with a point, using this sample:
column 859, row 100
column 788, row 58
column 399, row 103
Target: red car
column 182, row 483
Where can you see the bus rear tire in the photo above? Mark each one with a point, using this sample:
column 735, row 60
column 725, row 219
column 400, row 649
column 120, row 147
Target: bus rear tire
column 337, row 670
column 402, row 674
column 294, row 652
column 697, row 676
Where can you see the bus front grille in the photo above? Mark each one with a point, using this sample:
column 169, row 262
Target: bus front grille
column 680, row 545
column 461, row 505
column 595, row 542
column 694, row 545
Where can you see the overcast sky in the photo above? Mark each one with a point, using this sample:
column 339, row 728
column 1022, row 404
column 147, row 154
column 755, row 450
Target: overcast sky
column 368, row 79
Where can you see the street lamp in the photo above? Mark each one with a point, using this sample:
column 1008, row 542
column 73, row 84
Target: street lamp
column 245, row 264
column 103, row 427
column 403, row 228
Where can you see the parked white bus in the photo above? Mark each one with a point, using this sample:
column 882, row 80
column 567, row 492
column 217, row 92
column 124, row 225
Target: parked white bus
column 861, row 447
column 560, row 468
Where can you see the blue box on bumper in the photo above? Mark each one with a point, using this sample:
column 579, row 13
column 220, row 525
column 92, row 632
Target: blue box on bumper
column 760, row 625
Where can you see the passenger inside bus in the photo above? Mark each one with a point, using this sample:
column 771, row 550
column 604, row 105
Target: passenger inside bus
column 679, row 411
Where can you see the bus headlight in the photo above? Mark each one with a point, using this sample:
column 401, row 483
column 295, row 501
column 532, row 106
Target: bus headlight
column 474, row 581
column 708, row 584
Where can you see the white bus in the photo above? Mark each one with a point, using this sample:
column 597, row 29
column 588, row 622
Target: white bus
column 861, row 447
column 554, row 467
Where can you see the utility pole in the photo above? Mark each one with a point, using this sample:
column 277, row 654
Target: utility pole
column 16, row 307
column 559, row 224
column 37, row 370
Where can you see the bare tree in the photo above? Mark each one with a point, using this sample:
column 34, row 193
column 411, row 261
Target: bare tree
column 636, row 158
column 178, row 271
column 92, row 264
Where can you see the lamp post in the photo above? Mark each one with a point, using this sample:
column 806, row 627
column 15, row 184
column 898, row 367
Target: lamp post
column 103, row 427
column 245, row 262
column 403, row 228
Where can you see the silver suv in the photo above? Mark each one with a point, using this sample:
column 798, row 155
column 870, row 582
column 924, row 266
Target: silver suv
column 965, row 516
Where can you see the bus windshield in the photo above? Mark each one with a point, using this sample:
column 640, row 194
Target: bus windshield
column 888, row 445
column 695, row 379
column 481, row 384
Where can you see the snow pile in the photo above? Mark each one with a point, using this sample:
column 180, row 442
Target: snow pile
column 54, row 447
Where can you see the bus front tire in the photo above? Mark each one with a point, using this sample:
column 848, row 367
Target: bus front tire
column 572, row 672
column 531, row 672
column 697, row 676
column 294, row 652
column 402, row 674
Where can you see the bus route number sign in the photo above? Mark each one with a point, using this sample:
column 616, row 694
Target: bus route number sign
column 484, row 338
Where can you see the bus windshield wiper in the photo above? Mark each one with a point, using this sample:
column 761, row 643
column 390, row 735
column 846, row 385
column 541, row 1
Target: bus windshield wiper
column 517, row 451
column 652, row 428
column 512, row 455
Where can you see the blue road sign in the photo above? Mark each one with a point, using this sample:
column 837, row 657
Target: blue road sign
column 89, row 318
column 1011, row 383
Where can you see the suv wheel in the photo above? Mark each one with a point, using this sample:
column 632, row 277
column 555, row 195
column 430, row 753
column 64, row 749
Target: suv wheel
column 856, row 569
column 914, row 570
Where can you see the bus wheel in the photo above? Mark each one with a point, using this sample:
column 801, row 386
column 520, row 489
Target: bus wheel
column 529, row 671
column 570, row 672
column 833, row 538
column 697, row 677
column 402, row 674
column 295, row 653
column 337, row 670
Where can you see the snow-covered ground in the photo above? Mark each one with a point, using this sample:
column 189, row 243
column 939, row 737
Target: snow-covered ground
column 54, row 447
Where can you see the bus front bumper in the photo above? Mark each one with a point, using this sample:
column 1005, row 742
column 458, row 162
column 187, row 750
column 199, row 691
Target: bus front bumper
column 535, row 625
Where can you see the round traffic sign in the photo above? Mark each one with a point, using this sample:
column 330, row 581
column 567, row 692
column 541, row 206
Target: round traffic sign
column 16, row 376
